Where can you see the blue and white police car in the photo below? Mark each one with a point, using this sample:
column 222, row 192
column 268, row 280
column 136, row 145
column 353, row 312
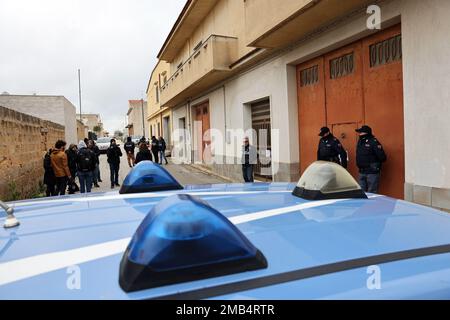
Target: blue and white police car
column 323, row 238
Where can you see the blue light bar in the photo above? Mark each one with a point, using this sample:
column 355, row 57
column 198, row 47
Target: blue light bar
column 184, row 239
column 147, row 177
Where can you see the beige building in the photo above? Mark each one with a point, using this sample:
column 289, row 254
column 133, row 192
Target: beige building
column 90, row 120
column 56, row 109
column 136, row 115
column 286, row 68
column 159, row 120
column 82, row 130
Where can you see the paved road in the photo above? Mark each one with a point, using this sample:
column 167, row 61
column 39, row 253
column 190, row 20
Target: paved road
column 105, row 175
column 183, row 173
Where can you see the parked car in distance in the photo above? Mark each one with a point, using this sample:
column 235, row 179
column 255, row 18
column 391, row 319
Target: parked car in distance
column 103, row 144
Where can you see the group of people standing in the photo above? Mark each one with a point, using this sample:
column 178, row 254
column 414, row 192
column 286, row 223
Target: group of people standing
column 153, row 150
column 62, row 166
column 369, row 155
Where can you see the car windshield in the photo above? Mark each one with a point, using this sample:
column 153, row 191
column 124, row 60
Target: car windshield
column 103, row 140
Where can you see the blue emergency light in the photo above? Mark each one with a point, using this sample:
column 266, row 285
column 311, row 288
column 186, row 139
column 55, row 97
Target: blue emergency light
column 184, row 239
column 148, row 177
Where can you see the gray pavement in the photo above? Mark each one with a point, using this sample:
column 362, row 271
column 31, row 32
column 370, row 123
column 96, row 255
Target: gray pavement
column 105, row 175
column 185, row 174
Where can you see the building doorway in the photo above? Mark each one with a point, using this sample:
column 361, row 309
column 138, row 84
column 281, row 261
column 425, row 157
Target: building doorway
column 202, row 133
column 361, row 83
column 262, row 127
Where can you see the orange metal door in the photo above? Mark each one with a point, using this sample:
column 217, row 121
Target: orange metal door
column 206, row 142
column 343, row 85
column 202, row 132
column 383, row 78
column 311, row 100
column 359, row 84
column 346, row 134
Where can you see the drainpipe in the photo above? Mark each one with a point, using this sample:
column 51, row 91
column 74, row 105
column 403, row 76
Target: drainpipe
column 190, row 132
column 11, row 221
column 225, row 118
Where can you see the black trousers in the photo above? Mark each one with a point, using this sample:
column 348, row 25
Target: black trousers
column 114, row 169
column 61, row 185
column 51, row 189
column 155, row 156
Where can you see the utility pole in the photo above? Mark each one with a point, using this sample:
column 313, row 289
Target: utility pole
column 79, row 90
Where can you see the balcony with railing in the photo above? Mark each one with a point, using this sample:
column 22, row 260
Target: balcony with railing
column 209, row 63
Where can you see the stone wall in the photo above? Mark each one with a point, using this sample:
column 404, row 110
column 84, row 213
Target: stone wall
column 24, row 140
column 56, row 109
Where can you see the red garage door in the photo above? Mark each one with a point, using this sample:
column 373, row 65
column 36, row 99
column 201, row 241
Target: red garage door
column 202, row 133
column 359, row 84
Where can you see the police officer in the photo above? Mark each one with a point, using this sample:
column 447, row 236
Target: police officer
column 369, row 157
column 129, row 147
column 330, row 148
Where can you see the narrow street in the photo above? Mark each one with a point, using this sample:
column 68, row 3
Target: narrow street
column 183, row 173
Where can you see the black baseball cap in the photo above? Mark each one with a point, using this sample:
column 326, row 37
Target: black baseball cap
column 364, row 129
column 324, row 131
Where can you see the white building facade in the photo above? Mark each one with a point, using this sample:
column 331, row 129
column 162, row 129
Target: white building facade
column 272, row 93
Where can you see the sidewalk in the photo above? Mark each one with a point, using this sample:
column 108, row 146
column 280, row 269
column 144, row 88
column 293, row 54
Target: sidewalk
column 184, row 173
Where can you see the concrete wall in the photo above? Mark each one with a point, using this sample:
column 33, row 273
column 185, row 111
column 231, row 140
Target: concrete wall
column 426, row 68
column 82, row 131
column 70, row 123
column 52, row 108
column 24, row 139
column 155, row 83
column 263, row 15
column 227, row 18
column 135, row 117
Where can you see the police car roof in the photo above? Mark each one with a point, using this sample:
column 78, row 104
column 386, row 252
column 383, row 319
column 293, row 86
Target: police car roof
column 314, row 249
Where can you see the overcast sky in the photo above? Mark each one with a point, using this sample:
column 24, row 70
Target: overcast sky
column 113, row 42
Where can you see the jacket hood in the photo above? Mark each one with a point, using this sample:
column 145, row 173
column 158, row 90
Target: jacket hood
column 82, row 144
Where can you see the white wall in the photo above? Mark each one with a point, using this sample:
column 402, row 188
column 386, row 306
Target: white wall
column 177, row 114
column 426, row 68
column 70, row 122
column 138, row 121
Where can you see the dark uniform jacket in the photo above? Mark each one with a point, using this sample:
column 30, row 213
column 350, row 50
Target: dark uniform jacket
column 369, row 155
column 162, row 145
column 330, row 149
column 114, row 153
column 129, row 147
column 155, row 146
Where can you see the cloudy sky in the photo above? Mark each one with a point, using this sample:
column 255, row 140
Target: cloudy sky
column 113, row 42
